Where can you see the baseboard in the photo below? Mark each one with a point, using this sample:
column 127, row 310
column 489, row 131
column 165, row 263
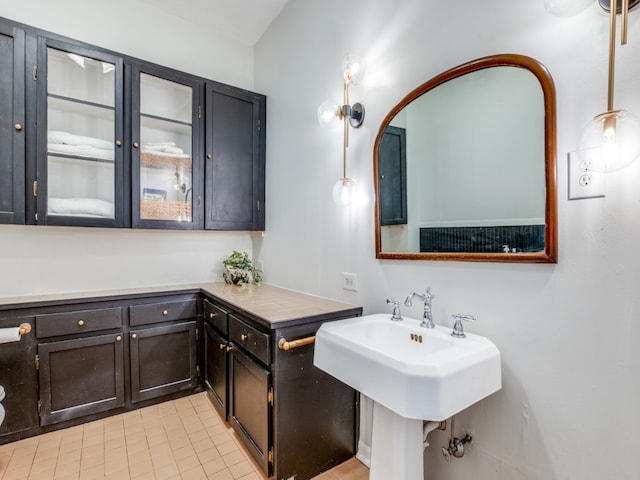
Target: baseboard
column 364, row 453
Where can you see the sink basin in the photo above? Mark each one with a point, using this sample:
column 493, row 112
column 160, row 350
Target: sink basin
column 417, row 373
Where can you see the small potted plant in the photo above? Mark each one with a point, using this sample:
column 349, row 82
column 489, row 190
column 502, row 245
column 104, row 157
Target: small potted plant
column 239, row 270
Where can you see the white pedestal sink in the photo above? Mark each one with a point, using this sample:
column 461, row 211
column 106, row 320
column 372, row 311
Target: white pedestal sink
column 412, row 374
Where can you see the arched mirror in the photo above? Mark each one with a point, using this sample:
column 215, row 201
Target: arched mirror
column 465, row 166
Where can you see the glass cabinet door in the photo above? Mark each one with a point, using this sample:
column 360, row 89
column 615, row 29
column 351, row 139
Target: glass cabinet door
column 166, row 184
column 84, row 174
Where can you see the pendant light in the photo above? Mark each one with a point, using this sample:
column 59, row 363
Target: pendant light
column 611, row 141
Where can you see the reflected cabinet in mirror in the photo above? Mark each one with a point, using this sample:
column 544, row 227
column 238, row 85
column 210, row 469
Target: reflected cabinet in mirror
column 465, row 166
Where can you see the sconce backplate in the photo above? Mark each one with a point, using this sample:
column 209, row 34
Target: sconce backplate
column 357, row 114
column 606, row 5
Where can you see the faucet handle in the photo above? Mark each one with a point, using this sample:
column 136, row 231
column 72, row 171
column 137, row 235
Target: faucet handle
column 458, row 330
column 396, row 315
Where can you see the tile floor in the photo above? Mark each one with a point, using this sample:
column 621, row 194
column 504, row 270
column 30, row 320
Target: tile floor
column 183, row 439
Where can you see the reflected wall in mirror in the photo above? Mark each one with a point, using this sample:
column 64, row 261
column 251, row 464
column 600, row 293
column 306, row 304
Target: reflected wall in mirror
column 465, row 166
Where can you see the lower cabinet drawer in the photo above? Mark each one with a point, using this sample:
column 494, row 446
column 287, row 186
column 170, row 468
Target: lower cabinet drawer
column 78, row 321
column 254, row 341
column 162, row 312
column 216, row 316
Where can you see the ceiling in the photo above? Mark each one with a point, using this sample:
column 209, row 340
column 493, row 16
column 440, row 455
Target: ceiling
column 242, row 21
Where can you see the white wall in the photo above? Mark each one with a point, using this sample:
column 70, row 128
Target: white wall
column 567, row 332
column 38, row 260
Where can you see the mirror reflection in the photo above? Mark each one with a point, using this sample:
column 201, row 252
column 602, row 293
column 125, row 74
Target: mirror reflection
column 465, row 166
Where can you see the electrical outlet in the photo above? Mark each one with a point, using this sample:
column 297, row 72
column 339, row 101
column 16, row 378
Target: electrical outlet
column 583, row 183
column 350, row 282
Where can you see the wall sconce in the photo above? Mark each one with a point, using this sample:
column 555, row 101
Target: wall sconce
column 331, row 113
column 611, row 141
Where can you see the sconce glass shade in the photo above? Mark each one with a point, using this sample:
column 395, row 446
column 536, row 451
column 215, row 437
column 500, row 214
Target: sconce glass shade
column 344, row 192
column 353, row 70
column 329, row 114
column 566, row 8
column 610, row 142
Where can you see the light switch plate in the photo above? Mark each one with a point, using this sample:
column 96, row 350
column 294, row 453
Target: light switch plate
column 583, row 183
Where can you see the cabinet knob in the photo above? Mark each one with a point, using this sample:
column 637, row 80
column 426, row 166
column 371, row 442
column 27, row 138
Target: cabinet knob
column 136, row 144
column 229, row 348
column 134, row 336
column 118, row 143
column 118, row 338
column 244, row 337
column 18, row 127
column 212, row 315
column 209, row 156
column 165, row 313
column 222, row 346
column 80, row 323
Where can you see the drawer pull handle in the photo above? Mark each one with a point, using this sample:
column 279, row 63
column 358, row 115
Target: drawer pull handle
column 118, row 338
column 165, row 313
column 134, row 336
column 244, row 337
column 24, row 328
column 80, row 323
column 212, row 315
column 283, row 344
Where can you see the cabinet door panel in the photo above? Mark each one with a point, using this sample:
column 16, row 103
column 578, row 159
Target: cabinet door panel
column 250, row 411
column 163, row 360
column 80, row 166
column 166, row 149
column 235, row 160
column 216, row 368
column 80, row 377
column 20, row 381
column 12, row 125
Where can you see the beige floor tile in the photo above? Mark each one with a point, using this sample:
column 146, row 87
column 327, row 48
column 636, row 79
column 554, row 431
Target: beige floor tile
column 184, row 439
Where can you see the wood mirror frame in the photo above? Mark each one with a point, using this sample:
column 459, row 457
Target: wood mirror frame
column 549, row 253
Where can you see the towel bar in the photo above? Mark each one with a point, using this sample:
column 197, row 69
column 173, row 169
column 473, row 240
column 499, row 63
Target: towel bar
column 283, row 344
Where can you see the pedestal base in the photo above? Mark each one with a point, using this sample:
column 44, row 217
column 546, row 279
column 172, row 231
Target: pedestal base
column 396, row 446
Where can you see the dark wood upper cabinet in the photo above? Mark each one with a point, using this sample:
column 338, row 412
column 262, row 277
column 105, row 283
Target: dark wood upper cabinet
column 166, row 146
column 96, row 138
column 12, row 124
column 80, row 136
column 235, row 158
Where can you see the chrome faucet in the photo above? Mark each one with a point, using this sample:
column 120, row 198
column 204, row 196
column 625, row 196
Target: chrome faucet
column 396, row 315
column 427, row 321
column 458, row 330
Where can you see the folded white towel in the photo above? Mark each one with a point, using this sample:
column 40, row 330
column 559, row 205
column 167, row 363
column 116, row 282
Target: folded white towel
column 162, row 148
column 80, row 207
column 159, row 144
column 66, row 138
column 80, row 151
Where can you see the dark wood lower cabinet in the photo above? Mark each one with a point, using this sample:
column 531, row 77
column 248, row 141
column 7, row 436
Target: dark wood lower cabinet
column 80, row 377
column 102, row 356
column 216, row 365
column 163, row 360
column 250, row 407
